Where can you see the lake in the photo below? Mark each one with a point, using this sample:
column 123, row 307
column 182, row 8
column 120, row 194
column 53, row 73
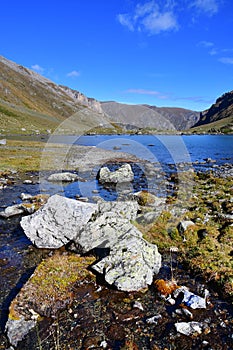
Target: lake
column 165, row 149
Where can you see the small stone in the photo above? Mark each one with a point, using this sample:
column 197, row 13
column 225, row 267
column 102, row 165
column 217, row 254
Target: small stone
column 184, row 225
column 83, row 199
column 28, row 182
column 171, row 301
column 138, row 305
column 187, row 313
column 13, row 210
column 3, row 142
column 179, row 312
column 189, row 328
column 18, row 329
column 205, row 343
column 190, row 299
column 104, row 344
column 25, row 196
column 154, row 319
column 63, row 177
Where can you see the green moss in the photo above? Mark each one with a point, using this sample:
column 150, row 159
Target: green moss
column 212, row 254
column 52, row 285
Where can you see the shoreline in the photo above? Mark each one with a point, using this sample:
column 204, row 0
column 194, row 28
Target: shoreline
column 205, row 260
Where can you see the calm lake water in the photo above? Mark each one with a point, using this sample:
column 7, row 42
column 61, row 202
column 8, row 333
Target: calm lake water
column 168, row 149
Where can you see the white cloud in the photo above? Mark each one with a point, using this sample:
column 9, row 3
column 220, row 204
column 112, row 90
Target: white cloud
column 147, row 92
column 156, row 16
column 37, row 68
column 204, row 43
column 145, row 9
column 213, row 52
column 149, row 17
column 210, row 7
column 157, row 22
column 208, row 45
column 226, row 60
column 196, row 99
column 73, row 74
column 126, row 21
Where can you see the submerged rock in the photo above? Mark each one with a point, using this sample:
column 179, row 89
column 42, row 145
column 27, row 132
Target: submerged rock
column 57, row 222
column 123, row 174
column 63, row 177
column 131, row 264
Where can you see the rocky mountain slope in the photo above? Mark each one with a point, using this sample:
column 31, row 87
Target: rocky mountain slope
column 151, row 116
column 219, row 117
column 181, row 118
column 32, row 102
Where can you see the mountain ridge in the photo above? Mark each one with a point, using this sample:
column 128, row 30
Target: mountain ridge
column 31, row 103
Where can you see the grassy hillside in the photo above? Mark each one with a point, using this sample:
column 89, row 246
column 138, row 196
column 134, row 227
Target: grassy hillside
column 224, row 126
column 219, row 117
column 30, row 103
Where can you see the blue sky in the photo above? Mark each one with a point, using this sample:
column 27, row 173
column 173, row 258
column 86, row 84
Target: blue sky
column 158, row 52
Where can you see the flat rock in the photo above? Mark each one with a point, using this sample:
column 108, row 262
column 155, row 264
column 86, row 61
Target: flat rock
column 131, row 264
column 57, row 222
column 63, row 177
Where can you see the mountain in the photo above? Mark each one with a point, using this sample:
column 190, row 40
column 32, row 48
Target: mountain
column 151, row 117
column 219, row 117
column 182, row 119
column 35, row 104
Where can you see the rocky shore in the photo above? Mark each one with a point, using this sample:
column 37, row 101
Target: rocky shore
column 123, row 274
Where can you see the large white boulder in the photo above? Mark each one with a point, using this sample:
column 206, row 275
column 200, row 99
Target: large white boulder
column 57, row 222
